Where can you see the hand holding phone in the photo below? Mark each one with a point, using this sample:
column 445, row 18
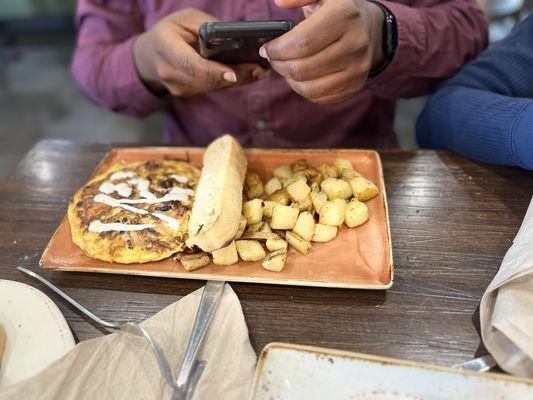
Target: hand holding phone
column 239, row 42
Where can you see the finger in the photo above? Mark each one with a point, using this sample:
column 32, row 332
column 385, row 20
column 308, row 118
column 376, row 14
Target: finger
column 294, row 3
column 192, row 18
column 339, row 82
column 333, row 58
column 305, row 39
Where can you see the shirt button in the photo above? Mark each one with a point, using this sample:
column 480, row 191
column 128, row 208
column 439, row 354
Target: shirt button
column 260, row 124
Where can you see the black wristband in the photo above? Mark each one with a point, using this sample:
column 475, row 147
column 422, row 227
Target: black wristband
column 389, row 39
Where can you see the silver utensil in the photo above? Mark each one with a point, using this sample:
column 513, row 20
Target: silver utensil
column 480, row 364
column 130, row 327
column 211, row 296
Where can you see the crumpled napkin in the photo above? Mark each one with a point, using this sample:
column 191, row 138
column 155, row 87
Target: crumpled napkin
column 506, row 309
column 122, row 366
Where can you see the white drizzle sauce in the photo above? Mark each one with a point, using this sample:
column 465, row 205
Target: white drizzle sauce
column 121, row 175
column 179, row 178
column 142, row 185
column 99, row 226
column 122, row 189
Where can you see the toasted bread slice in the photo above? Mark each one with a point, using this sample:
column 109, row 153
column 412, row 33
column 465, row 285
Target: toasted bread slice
column 217, row 207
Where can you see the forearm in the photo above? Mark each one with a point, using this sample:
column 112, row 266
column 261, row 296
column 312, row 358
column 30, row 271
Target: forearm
column 485, row 126
column 434, row 41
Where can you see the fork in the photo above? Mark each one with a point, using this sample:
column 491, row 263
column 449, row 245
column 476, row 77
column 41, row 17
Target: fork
column 130, row 327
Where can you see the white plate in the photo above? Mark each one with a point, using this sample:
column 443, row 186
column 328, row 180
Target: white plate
column 294, row 372
column 37, row 333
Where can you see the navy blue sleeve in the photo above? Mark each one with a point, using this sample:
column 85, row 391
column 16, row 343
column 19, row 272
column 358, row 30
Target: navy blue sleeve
column 486, row 111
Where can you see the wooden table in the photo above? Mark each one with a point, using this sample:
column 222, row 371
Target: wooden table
column 452, row 220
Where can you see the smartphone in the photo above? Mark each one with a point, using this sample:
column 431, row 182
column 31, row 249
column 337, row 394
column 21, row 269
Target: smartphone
column 239, row 42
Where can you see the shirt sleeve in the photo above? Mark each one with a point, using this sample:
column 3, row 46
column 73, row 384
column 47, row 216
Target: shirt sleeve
column 103, row 64
column 435, row 38
column 486, row 110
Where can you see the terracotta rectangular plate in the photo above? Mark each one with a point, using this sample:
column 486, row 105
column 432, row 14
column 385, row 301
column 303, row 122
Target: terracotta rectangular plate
column 359, row 258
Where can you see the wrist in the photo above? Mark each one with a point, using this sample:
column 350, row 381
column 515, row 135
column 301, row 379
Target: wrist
column 389, row 39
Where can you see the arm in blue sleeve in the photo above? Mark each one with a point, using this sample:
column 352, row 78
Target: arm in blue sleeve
column 486, row 110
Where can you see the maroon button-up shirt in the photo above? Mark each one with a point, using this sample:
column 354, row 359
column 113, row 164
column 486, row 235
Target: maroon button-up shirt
column 435, row 38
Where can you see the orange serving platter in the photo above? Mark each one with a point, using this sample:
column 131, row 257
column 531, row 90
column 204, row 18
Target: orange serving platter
column 359, row 258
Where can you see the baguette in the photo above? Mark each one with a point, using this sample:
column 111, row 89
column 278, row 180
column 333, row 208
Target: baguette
column 2, row 343
column 217, row 207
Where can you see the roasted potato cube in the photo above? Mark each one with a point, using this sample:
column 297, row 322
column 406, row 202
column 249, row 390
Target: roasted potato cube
column 312, row 175
column 282, row 172
column 315, row 187
column 341, row 164
column 356, row 213
column 324, row 233
column 304, row 205
column 272, row 185
column 275, row 261
column 253, row 187
column 299, row 165
column 259, row 235
column 292, row 179
column 348, row 174
column 265, row 228
column 250, row 250
column 296, row 241
column 363, row 189
column 336, row 188
column 226, row 255
column 332, row 213
column 318, row 200
column 305, row 226
column 280, row 196
column 284, row 217
column 253, row 211
column 327, row 170
column 268, row 207
column 195, row 261
column 242, row 227
column 298, row 190
column 255, row 227
column 276, row 244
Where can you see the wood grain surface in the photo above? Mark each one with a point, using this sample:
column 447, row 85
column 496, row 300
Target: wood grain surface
column 452, row 221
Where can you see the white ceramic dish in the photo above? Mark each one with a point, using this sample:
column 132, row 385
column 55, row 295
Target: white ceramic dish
column 37, row 333
column 294, row 372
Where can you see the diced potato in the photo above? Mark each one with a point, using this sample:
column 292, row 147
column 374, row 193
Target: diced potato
column 255, row 227
column 284, row 217
column 348, row 174
column 226, row 255
column 304, row 205
column 292, row 179
column 327, row 170
column 283, row 172
column 259, row 236
column 336, row 188
column 298, row 190
column 280, row 196
column 275, row 261
column 265, row 228
column 332, row 213
column 296, row 241
column 276, row 244
column 341, row 164
column 324, row 233
column 253, row 211
column 268, row 207
column 195, row 261
column 250, row 250
column 242, row 227
column 253, row 187
column 318, row 200
column 299, row 166
column 363, row 189
column 305, row 226
column 356, row 213
column 313, row 176
column 315, row 187
column 272, row 185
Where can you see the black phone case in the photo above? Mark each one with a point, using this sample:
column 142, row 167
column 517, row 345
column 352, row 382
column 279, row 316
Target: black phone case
column 239, row 42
